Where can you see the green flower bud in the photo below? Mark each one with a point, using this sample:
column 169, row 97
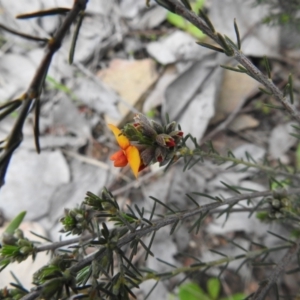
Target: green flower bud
column 272, row 215
column 9, row 239
column 25, row 250
column 285, row 202
column 276, row 203
column 19, row 234
column 79, row 217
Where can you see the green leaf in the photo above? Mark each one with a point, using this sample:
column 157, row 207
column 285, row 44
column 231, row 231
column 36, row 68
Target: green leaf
column 191, row 291
column 213, row 288
column 194, row 31
column 176, row 20
column 15, row 223
column 181, row 23
column 60, row 87
column 298, row 157
column 238, row 296
column 199, row 4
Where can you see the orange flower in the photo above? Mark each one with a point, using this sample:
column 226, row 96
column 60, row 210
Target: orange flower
column 127, row 154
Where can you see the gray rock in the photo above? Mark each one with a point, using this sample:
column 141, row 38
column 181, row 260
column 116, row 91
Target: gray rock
column 31, row 180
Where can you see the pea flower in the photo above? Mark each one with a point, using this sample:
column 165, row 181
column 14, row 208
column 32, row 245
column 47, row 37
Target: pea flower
column 127, row 154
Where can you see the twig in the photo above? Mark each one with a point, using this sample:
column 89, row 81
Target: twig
column 190, row 16
column 55, row 245
column 248, row 164
column 34, row 90
column 222, row 261
column 32, row 295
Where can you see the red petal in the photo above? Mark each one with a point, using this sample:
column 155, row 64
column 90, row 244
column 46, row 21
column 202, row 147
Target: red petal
column 170, row 143
column 119, row 159
column 159, row 158
column 142, row 167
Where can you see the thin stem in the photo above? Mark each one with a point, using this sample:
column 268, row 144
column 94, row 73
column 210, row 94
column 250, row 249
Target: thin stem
column 254, row 72
column 217, row 262
column 238, row 161
column 35, row 88
column 59, row 244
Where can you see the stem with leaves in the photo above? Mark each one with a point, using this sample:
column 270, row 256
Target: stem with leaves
column 231, row 49
column 173, row 219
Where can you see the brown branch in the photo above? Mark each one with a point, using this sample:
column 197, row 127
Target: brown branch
column 190, row 16
column 34, row 90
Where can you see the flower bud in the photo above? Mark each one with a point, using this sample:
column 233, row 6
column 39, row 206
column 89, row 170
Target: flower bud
column 147, row 155
column 160, row 154
column 79, row 217
column 278, row 215
column 25, row 250
column 144, row 126
column 170, row 127
column 285, row 202
column 176, row 135
column 165, row 140
column 19, row 234
column 8, row 239
column 157, row 127
column 276, row 203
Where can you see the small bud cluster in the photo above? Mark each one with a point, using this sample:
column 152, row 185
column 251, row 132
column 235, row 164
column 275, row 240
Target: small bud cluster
column 75, row 221
column 279, row 205
column 106, row 202
column 15, row 247
column 156, row 143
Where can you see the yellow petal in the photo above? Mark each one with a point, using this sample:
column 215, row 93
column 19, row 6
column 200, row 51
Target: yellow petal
column 134, row 159
column 121, row 139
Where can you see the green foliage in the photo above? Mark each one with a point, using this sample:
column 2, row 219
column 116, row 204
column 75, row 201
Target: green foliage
column 181, row 23
column 213, row 288
column 298, row 157
column 260, row 106
column 192, row 291
column 15, row 223
column 282, row 13
column 60, row 87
